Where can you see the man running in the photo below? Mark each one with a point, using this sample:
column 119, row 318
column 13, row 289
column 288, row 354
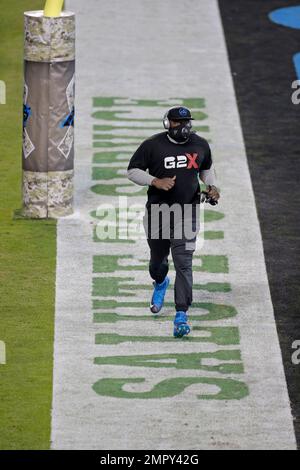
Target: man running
column 170, row 163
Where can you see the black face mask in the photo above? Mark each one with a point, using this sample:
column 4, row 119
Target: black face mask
column 182, row 132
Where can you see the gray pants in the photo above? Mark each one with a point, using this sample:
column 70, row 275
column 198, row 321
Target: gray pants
column 182, row 250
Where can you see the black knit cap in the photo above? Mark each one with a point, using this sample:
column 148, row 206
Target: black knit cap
column 179, row 113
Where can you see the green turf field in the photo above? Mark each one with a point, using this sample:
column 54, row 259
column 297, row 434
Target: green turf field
column 27, row 267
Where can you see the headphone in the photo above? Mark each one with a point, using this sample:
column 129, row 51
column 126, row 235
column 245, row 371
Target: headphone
column 166, row 121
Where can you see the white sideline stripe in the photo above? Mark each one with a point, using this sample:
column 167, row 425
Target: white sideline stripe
column 80, row 418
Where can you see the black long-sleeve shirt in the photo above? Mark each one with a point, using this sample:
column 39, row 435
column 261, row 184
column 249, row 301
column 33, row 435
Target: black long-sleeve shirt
column 164, row 158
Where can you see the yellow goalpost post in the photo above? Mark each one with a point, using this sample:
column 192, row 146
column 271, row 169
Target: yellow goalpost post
column 53, row 8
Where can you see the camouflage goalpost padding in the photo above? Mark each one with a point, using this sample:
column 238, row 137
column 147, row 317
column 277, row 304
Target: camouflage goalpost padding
column 48, row 119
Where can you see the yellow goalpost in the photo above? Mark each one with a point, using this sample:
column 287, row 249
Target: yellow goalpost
column 53, row 7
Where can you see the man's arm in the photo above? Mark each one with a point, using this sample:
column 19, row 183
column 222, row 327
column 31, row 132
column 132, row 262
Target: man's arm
column 142, row 178
column 207, row 174
column 138, row 164
column 137, row 173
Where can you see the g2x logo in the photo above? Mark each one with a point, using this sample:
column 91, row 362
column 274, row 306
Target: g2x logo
column 182, row 161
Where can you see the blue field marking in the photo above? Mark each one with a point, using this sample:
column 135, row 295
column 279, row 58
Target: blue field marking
column 296, row 60
column 289, row 17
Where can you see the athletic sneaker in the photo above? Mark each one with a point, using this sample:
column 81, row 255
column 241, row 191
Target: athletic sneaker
column 181, row 327
column 158, row 296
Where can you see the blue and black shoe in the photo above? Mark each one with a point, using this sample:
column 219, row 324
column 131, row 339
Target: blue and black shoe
column 158, row 296
column 181, row 327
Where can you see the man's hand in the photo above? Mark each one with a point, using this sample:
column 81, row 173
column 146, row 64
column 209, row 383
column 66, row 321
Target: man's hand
column 164, row 183
column 211, row 195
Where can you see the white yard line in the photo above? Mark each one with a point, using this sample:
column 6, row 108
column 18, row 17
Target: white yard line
column 154, row 49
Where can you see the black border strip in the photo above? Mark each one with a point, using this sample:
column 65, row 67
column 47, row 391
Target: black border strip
column 260, row 54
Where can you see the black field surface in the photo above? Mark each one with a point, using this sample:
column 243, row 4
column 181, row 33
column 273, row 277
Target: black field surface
column 261, row 61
